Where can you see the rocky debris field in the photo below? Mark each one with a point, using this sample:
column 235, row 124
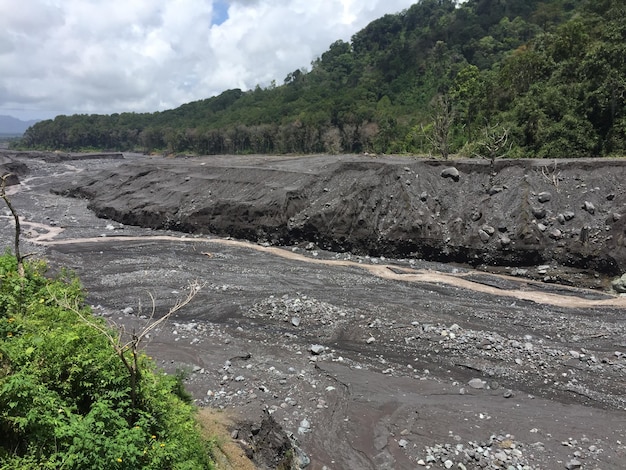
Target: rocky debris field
column 361, row 361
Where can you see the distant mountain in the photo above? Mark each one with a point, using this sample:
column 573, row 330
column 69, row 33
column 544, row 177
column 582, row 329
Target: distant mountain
column 11, row 125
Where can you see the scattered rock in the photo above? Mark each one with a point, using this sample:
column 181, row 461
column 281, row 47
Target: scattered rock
column 317, row 349
column 477, row 384
column 619, row 284
column 498, row 452
column 544, row 197
column 450, row 172
column 556, row 234
column 305, row 426
column 589, row 207
column 573, row 464
column 488, row 229
column 484, row 236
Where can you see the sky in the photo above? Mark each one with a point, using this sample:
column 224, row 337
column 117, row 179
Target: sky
column 111, row 56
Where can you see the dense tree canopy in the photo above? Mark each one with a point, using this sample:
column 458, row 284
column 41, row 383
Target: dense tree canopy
column 551, row 73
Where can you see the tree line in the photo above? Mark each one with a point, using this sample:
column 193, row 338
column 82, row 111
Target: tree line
column 549, row 75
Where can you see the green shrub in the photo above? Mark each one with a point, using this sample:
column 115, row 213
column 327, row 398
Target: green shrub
column 65, row 394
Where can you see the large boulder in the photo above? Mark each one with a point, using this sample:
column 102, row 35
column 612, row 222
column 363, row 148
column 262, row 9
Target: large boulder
column 619, row 284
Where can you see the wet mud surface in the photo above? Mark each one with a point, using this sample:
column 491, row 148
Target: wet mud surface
column 369, row 362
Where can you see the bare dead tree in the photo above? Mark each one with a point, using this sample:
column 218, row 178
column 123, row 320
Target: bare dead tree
column 442, row 117
column 495, row 144
column 18, row 229
column 128, row 350
column 552, row 177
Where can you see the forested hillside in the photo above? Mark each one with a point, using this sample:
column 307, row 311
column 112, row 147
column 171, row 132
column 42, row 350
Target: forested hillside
column 486, row 77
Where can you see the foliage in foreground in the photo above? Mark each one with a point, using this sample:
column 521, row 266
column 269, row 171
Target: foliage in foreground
column 65, row 395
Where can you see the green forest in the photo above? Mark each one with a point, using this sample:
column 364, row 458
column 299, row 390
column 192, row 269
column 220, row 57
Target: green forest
column 488, row 78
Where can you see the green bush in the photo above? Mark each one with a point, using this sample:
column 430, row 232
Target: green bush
column 65, row 394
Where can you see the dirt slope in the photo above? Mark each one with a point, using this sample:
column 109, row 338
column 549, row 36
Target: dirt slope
column 14, row 168
column 525, row 213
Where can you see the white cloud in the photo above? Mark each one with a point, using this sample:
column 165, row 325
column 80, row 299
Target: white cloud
column 104, row 56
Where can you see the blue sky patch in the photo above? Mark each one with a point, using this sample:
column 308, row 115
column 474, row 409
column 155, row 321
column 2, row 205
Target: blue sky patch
column 220, row 11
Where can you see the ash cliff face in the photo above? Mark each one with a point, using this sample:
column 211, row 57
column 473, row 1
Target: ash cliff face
column 516, row 213
column 15, row 169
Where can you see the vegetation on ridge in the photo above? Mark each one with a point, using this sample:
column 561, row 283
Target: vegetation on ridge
column 550, row 74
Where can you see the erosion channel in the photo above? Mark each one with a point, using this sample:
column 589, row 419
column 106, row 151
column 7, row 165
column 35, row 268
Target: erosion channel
column 387, row 312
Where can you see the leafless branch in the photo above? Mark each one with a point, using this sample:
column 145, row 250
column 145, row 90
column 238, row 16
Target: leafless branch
column 193, row 288
column 133, row 345
column 494, row 144
column 551, row 177
column 18, row 229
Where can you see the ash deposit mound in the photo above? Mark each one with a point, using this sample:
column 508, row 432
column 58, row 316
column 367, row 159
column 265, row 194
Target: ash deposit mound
column 14, row 168
column 513, row 213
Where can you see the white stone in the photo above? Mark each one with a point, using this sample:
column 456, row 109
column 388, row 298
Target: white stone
column 304, row 427
column 477, row 383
